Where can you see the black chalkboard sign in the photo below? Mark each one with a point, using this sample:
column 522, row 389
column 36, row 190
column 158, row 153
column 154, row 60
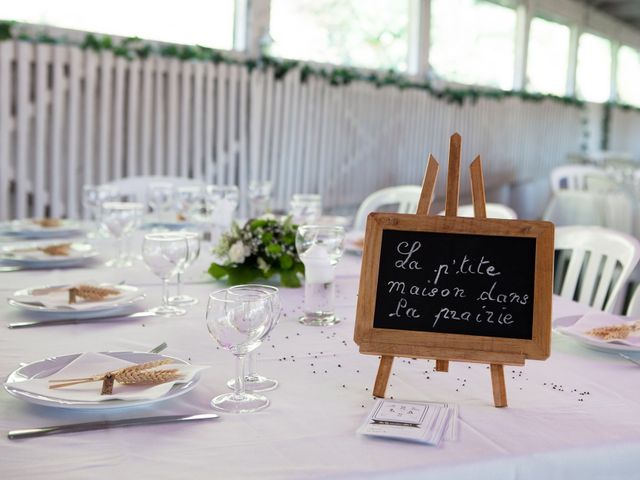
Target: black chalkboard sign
column 456, row 283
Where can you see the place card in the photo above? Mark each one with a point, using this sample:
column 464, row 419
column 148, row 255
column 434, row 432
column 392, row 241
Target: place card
column 422, row 422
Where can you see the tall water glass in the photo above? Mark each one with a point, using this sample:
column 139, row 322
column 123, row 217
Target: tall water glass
column 259, row 198
column 221, row 201
column 164, row 254
column 189, row 202
column 159, row 198
column 305, row 209
column 238, row 322
column 253, row 381
column 193, row 244
column 319, row 247
column 120, row 219
column 93, row 196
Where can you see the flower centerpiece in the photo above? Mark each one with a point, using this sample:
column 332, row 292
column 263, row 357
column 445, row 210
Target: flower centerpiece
column 263, row 247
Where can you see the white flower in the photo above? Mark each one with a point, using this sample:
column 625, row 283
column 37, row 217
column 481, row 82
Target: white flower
column 238, row 252
column 267, row 216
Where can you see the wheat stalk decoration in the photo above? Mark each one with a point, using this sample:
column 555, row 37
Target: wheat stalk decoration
column 140, row 374
column 90, row 292
column 48, row 222
column 614, row 332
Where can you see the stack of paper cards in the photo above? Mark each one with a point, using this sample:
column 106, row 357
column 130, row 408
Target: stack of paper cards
column 421, row 422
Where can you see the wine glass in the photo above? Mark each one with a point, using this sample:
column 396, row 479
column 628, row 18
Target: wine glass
column 259, row 197
column 93, row 196
column 193, row 244
column 119, row 219
column 189, row 201
column 164, row 254
column 319, row 247
column 221, row 202
column 254, row 382
column 305, row 208
column 159, row 197
column 239, row 321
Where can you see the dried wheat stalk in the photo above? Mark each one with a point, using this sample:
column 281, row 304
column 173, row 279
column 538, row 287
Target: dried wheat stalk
column 59, row 250
column 48, row 222
column 614, row 332
column 90, row 292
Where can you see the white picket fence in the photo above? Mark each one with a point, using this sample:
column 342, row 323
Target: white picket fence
column 70, row 117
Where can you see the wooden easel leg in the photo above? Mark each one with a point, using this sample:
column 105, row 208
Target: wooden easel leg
column 499, row 389
column 442, row 365
column 382, row 378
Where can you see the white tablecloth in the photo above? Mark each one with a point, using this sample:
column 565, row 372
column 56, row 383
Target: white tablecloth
column 573, row 416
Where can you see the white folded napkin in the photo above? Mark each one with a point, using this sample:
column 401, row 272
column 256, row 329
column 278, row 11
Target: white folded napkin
column 59, row 298
column 89, row 364
column 601, row 319
column 30, row 252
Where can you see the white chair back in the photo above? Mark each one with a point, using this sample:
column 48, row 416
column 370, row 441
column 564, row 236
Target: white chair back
column 404, row 197
column 135, row 188
column 572, row 177
column 494, row 210
column 593, row 264
column 633, row 309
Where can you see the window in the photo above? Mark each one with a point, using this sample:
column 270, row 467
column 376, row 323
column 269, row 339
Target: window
column 548, row 57
column 628, row 75
column 593, row 75
column 203, row 22
column 473, row 42
column 363, row 33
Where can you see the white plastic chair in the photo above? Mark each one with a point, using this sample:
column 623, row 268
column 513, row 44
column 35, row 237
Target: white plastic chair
column 135, row 188
column 572, row 177
column 404, row 197
column 494, row 210
column 633, row 309
column 593, row 264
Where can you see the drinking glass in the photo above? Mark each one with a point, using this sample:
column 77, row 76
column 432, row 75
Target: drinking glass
column 259, row 198
column 119, row 219
column 319, row 247
column 239, row 321
column 93, row 196
column 254, row 382
column 221, row 202
column 193, row 245
column 164, row 254
column 305, row 208
column 188, row 201
column 159, row 197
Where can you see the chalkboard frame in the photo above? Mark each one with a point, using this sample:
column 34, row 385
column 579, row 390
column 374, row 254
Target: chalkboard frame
column 447, row 346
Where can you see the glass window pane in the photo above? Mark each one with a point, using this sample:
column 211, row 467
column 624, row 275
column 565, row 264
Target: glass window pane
column 473, row 42
column 548, row 57
column 629, row 75
column 364, row 33
column 203, row 22
column 593, row 75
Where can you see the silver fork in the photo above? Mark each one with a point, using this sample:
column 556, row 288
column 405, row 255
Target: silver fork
column 159, row 348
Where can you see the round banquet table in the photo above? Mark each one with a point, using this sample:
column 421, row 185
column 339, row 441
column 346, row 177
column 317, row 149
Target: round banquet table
column 572, row 416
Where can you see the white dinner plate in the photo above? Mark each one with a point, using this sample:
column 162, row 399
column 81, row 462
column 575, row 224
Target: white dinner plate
column 26, row 228
column 79, row 254
column 124, row 304
column 595, row 343
column 49, row 366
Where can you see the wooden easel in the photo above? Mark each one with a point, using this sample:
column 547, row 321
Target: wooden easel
column 451, row 210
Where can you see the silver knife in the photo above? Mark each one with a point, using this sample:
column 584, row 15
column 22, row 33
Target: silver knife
column 71, row 321
column 105, row 424
column 626, row 357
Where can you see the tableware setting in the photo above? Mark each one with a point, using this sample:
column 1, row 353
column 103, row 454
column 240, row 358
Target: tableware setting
column 601, row 331
column 47, row 254
column 41, row 228
column 85, row 299
column 103, row 380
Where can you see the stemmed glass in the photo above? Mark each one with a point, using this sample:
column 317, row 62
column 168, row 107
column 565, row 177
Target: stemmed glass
column 93, row 196
column 159, row 197
column 259, row 197
column 189, row 201
column 305, row 208
column 319, row 247
column 164, row 254
column 254, row 382
column 193, row 244
column 239, row 321
column 120, row 219
column 221, row 202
